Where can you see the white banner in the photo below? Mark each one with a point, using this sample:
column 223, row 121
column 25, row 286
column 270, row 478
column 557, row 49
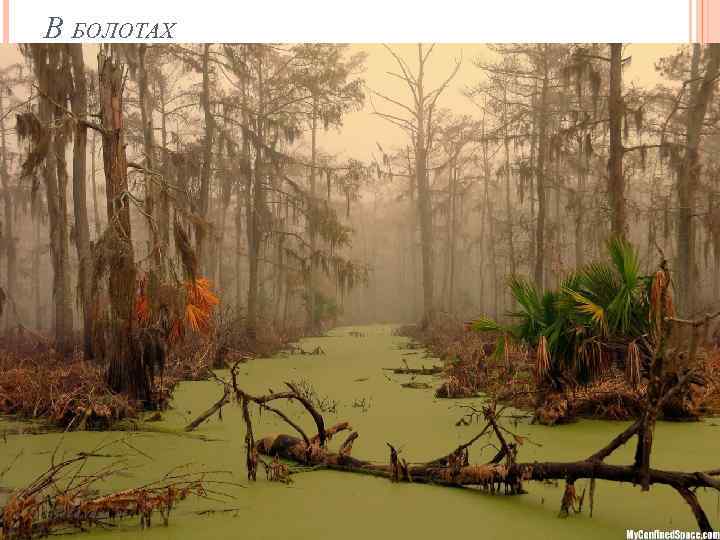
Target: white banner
column 335, row 21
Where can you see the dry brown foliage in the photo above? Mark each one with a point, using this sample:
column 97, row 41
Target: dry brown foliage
column 71, row 393
column 472, row 368
column 61, row 500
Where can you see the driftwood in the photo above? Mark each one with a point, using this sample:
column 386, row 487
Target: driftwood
column 434, row 370
column 504, row 472
column 299, row 350
column 217, row 406
column 416, row 385
column 62, row 499
column 501, row 474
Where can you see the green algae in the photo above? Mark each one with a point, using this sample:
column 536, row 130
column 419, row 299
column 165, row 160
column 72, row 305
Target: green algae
column 324, row 504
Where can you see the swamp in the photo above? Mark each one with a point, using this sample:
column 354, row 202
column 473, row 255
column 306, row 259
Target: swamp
column 307, row 290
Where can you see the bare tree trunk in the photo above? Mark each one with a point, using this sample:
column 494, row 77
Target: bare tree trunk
column 206, row 170
column 256, row 194
column 35, row 270
column 453, row 238
column 156, row 251
column 93, row 177
column 46, row 59
column 82, row 228
column 490, row 232
column 445, row 250
column 556, row 245
column 616, row 179
column 579, row 202
column 539, row 272
column 226, row 156
column 9, row 226
column 714, row 213
column 238, row 249
column 63, row 243
column 312, row 325
column 413, row 224
column 424, row 199
column 220, row 250
column 508, row 185
column 126, row 372
column 533, row 176
column 243, row 197
column 164, row 213
column 689, row 172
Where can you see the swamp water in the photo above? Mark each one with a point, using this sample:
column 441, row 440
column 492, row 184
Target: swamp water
column 324, row 504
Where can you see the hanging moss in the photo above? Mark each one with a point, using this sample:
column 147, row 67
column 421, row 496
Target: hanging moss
column 29, row 129
column 639, row 118
column 595, row 84
column 643, row 157
column 626, row 124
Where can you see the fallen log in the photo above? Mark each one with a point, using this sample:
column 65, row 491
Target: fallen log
column 504, row 472
column 496, row 476
column 290, row 448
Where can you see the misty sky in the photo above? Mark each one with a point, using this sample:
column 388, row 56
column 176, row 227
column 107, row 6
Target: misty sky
column 361, row 130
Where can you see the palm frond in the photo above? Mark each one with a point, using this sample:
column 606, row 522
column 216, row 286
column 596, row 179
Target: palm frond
column 585, row 305
column 485, row 324
column 527, row 295
column 626, row 261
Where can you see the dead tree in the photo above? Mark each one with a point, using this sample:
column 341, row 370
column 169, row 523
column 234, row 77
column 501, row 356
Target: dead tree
column 504, row 473
column 419, row 120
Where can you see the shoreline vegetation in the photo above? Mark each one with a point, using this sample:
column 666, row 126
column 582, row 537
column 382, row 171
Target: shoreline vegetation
column 221, row 230
column 665, row 377
column 282, row 456
column 587, row 349
column 72, row 393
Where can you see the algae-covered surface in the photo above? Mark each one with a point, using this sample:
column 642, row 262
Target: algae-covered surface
column 322, row 504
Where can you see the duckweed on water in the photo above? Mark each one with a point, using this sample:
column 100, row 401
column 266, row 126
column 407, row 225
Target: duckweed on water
column 323, row 504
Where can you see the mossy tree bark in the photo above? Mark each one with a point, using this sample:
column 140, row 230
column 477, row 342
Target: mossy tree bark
column 126, row 371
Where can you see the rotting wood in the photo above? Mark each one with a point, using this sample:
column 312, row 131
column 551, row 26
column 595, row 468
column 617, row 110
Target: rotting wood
column 434, row 370
column 503, row 473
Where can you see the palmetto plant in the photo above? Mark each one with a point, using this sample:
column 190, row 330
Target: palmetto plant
column 599, row 315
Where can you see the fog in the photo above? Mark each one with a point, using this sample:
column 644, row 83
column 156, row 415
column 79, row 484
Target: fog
column 296, row 176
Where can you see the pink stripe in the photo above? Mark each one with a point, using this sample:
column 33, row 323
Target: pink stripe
column 708, row 21
column 712, row 21
column 6, row 21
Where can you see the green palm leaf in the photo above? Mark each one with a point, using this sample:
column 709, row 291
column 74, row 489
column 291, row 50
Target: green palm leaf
column 486, row 324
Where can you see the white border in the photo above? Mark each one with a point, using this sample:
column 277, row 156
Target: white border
column 367, row 21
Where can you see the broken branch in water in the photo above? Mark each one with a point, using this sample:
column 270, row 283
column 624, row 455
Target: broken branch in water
column 434, row 370
column 63, row 497
column 217, row 406
column 502, row 473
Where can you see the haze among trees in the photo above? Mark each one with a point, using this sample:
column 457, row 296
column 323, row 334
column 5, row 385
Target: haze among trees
column 551, row 153
column 171, row 210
